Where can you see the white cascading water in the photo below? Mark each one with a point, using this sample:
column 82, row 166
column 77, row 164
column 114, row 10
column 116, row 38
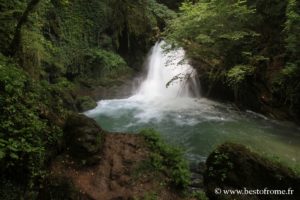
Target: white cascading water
column 170, row 86
column 169, row 75
column 197, row 124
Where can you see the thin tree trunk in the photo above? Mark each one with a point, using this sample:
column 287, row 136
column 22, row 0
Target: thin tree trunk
column 15, row 43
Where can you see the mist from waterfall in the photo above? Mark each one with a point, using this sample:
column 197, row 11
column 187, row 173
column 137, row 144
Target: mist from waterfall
column 169, row 75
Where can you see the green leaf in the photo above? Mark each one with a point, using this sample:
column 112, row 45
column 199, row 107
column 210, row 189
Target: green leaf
column 14, row 156
column 2, row 154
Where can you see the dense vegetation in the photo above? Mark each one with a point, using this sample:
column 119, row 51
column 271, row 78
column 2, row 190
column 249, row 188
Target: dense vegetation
column 166, row 159
column 245, row 50
column 49, row 50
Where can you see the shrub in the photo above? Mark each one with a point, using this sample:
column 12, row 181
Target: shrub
column 167, row 159
column 237, row 77
column 24, row 135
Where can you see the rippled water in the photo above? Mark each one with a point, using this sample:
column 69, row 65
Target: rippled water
column 199, row 125
column 196, row 124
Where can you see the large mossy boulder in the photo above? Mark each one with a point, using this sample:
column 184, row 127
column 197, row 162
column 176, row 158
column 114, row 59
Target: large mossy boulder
column 83, row 138
column 85, row 103
column 233, row 166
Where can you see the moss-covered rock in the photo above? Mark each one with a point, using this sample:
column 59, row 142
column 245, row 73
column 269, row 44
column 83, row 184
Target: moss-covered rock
column 233, row 166
column 85, row 103
column 83, row 138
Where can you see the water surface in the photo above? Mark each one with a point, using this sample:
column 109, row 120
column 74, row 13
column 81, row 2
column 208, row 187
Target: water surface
column 185, row 119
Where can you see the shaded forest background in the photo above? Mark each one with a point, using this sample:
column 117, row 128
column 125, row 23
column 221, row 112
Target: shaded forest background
column 247, row 52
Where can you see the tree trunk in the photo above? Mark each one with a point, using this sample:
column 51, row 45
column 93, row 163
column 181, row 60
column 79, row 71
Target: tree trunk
column 15, row 43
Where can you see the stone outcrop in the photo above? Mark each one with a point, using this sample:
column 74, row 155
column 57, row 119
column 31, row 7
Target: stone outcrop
column 233, row 166
column 83, row 138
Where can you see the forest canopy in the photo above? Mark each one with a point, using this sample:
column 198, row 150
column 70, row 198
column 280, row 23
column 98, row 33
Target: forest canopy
column 244, row 44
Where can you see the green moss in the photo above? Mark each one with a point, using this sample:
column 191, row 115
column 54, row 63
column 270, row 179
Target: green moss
column 85, row 103
column 167, row 159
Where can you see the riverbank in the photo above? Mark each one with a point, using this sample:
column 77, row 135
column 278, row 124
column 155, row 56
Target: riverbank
column 97, row 165
column 142, row 167
column 119, row 175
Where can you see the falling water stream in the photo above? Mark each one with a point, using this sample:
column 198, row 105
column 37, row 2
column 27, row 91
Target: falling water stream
column 185, row 119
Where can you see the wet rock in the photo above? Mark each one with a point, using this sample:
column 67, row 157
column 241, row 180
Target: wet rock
column 198, row 168
column 196, row 180
column 197, row 171
column 83, row 137
column 232, row 166
column 201, row 168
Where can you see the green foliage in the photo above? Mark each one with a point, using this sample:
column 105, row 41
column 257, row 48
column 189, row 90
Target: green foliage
column 58, row 36
column 102, row 67
column 220, row 159
column 10, row 10
column 172, row 4
column 61, row 41
column 286, row 87
column 137, row 17
column 210, row 29
column 200, row 195
column 160, row 11
column 215, row 34
column 18, row 121
column 286, row 84
column 167, row 159
column 112, row 64
column 237, row 77
column 24, row 136
column 238, row 74
column 292, row 31
column 243, row 44
column 80, row 31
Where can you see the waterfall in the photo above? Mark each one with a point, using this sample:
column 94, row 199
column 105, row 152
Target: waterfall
column 196, row 124
column 169, row 75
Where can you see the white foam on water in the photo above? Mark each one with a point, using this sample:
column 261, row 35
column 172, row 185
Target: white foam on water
column 171, row 85
column 196, row 123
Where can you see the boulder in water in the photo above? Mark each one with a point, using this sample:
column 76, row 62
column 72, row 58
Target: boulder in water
column 84, row 138
column 233, row 166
